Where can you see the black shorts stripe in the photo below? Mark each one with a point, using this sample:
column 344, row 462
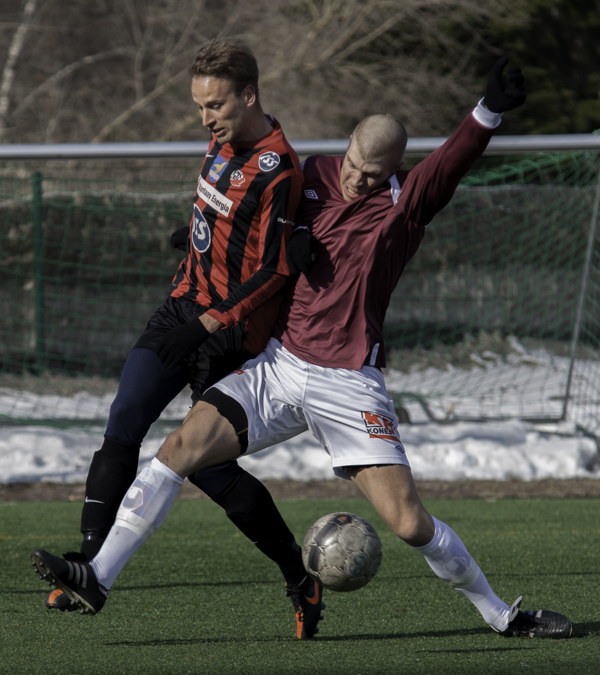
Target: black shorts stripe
column 231, row 410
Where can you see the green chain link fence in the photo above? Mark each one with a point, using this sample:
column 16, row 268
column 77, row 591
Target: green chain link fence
column 496, row 285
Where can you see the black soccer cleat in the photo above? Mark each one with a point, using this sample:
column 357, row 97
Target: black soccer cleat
column 306, row 598
column 536, row 624
column 77, row 580
column 59, row 600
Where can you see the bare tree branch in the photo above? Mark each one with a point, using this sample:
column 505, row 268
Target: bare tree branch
column 324, row 64
column 9, row 68
column 68, row 70
column 138, row 76
column 138, row 105
column 180, row 46
column 181, row 125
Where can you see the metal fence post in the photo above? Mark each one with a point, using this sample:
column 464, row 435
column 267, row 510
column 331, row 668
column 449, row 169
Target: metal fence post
column 38, row 273
column 582, row 293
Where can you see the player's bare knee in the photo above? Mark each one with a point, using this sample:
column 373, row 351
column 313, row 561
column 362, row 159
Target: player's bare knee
column 204, row 439
column 416, row 528
column 171, row 451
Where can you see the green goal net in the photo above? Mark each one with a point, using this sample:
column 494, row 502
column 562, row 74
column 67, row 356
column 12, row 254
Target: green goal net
column 496, row 316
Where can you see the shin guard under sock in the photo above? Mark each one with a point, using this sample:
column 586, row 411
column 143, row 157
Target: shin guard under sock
column 449, row 559
column 112, row 471
column 143, row 510
column 250, row 507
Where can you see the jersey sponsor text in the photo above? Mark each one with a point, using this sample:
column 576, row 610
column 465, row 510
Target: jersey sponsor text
column 213, row 197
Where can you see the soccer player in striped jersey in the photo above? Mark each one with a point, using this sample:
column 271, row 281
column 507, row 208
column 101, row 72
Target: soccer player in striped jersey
column 321, row 370
column 220, row 312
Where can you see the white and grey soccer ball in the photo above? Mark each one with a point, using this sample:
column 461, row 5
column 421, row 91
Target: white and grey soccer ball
column 342, row 551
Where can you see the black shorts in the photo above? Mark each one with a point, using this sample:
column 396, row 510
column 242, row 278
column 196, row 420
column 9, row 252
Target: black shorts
column 221, row 354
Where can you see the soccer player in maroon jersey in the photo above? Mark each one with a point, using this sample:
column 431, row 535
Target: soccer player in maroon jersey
column 220, row 312
column 321, row 370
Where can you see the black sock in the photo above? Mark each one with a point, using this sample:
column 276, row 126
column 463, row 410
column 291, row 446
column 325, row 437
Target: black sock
column 112, row 471
column 91, row 544
column 250, row 507
column 287, row 556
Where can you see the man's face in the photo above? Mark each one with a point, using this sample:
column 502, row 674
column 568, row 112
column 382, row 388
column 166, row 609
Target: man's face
column 358, row 177
column 223, row 113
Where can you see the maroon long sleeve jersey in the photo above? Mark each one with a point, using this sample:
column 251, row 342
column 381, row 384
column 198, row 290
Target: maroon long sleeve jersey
column 334, row 317
column 243, row 214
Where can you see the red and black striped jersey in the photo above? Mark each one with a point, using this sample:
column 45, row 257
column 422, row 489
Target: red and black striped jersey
column 244, row 207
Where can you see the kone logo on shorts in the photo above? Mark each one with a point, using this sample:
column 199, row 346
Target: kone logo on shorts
column 217, row 168
column 380, row 426
column 200, row 231
column 268, row 161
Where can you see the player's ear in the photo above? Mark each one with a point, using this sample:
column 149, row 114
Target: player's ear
column 249, row 95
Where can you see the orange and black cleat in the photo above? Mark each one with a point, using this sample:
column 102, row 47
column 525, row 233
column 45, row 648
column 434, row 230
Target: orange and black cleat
column 306, row 598
column 56, row 599
column 76, row 579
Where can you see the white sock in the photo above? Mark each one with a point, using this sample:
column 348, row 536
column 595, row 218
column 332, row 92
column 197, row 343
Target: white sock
column 449, row 559
column 142, row 511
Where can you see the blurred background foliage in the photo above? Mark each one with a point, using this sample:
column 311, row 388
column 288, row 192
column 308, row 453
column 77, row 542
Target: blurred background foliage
column 116, row 70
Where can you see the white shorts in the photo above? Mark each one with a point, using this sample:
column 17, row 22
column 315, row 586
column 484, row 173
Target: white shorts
column 348, row 411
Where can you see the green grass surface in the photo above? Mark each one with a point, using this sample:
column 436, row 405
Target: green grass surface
column 198, row 598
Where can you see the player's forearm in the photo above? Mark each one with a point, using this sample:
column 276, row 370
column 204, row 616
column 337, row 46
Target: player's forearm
column 259, row 288
column 432, row 183
column 211, row 324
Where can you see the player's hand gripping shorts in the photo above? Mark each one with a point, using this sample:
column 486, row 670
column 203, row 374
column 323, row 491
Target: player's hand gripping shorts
column 348, row 411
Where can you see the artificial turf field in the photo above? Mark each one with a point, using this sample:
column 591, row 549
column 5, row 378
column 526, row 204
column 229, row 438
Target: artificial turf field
column 198, row 598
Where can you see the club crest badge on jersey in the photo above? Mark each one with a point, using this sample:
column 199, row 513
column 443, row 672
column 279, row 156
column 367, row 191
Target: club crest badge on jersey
column 237, row 178
column 217, row 168
column 200, row 231
column 268, row 161
column 380, row 426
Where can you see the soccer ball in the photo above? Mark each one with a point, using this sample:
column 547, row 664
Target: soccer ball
column 342, row 551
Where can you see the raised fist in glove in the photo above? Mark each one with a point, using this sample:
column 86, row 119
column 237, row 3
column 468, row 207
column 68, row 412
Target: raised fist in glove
column 301, row 251
column 181, row 342
column 179, row 238
column 504, row 91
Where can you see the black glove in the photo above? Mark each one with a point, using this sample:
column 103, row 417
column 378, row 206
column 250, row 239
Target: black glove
column 504, row 92
column 181, row 342
column 301, row 251
column 179, row 238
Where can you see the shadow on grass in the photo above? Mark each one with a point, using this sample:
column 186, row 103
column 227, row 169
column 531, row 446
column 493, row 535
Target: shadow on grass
column 338, row 638
column 153, row 587
column 583, row 630
column 507, row 648
column 262, row 582
column 579, row 631
column 194, row 584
